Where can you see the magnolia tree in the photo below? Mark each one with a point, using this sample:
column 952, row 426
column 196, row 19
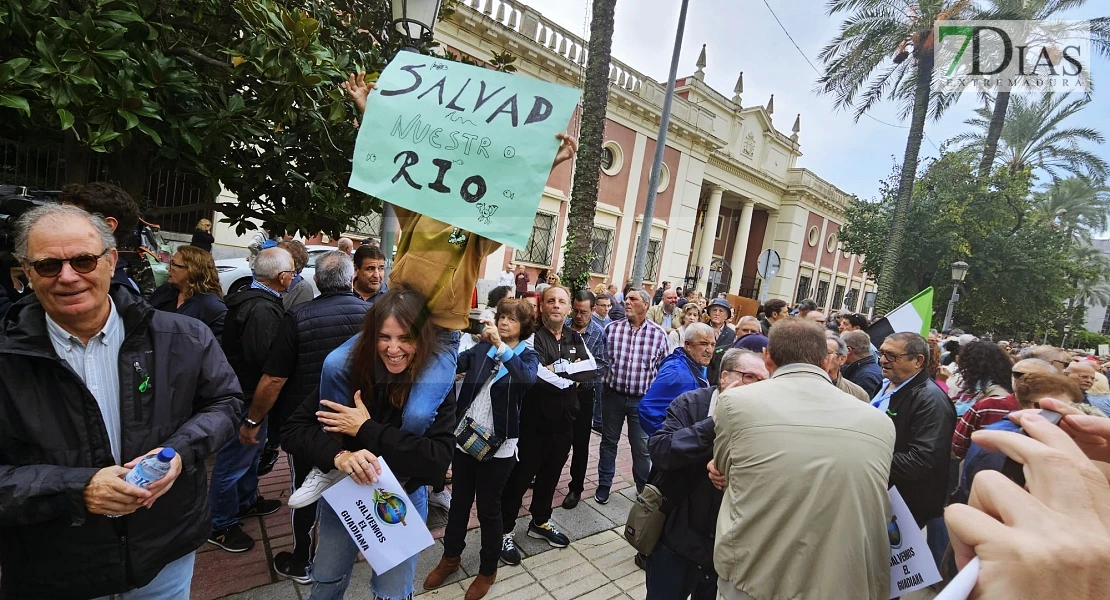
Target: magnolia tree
column 245, row 94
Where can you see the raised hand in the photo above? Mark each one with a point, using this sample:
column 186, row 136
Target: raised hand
column 358, row 89
column 567, row 149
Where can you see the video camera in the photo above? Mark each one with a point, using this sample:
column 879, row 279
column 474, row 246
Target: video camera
column 14, row 201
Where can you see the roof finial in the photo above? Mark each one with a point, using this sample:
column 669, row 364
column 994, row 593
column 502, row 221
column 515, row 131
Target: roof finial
column 739, row 89
column 771, row 105
column 700, row 73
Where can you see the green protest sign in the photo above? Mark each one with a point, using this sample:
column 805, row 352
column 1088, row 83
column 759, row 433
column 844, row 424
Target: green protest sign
column 464, row 145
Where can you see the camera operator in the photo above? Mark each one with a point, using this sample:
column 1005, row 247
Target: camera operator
column 118, row 210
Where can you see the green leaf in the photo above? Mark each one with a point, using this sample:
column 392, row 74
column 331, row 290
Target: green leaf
column 129, row 117
column 66, row 118
column 17, row 66
column 112, row 54
column 16, row 102
column 151, row 133
column 121, row 16
column 338, row 112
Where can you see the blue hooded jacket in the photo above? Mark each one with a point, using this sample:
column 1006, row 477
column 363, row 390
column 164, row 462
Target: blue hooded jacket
column 678, row 374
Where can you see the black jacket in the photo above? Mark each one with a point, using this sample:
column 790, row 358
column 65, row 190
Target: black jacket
column 724, row 343
column 53, row 440
column 204, row 307
column 546, row 408
column 320, row 326
column 865, row 373
column 924, row 420
column 202, row 239
column 679, row 452
column 419, row 459
column 252, row 321
column 505, row 393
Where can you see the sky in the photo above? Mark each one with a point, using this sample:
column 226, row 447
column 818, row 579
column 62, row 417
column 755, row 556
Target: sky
column 742, row 35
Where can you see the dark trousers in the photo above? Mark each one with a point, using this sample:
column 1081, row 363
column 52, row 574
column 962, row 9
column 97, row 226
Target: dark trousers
column 581, row 442
column 542, row 455
column 672, row 577
column 484, row 481
column 304, row 519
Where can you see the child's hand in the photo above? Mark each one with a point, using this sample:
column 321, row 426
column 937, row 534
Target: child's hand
column 567, row 149
column 358, row 89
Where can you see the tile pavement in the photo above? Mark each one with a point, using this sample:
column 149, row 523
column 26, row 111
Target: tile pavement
column 220, row 574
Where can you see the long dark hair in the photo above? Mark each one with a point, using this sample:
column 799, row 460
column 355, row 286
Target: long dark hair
column 368, row 373
column 982, row 363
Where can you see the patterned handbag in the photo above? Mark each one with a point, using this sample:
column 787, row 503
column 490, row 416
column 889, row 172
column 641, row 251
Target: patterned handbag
column 477, row 441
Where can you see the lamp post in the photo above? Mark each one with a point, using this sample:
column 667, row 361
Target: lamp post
column 1064, row 340
column 959, row 271
column 414, row 21
column 639, row 262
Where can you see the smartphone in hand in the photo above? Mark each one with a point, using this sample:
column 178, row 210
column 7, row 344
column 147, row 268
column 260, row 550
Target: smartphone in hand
column 1013, row 469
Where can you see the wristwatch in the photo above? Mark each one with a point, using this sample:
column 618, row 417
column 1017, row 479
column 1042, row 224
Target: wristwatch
column 250, row 423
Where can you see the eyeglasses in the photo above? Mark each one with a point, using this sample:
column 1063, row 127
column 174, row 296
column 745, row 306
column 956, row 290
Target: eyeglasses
column 746, row 377
column 891, row 356
column 174, row 265
column 284, row 272
column 82, row 263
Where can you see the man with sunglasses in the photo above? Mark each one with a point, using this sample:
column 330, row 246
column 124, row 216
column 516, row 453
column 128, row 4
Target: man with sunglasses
column 682, row 564
column 924, row 419
column 91, row 381
column 253, row 319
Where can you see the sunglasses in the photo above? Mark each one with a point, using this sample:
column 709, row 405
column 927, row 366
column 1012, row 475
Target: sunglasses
column 82, row 263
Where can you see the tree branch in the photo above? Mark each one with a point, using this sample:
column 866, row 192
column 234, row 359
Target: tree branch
column 182, row 51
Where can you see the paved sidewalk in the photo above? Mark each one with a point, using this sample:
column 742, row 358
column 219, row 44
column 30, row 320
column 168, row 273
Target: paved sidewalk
column 220, row 574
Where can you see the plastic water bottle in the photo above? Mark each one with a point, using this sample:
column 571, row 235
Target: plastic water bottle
column 151, row 469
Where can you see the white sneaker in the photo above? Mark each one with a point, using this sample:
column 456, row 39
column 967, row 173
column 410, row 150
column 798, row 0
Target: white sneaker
column 440, row 499
column 313, row 487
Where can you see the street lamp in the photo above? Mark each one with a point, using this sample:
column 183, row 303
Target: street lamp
column 414, row 21
column 1067, row 329
column 959, row 271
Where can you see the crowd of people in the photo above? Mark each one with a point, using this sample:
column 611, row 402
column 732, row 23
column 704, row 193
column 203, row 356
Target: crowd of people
column 773, row 438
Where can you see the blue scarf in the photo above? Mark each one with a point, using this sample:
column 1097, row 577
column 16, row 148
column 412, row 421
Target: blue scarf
column 515, row 351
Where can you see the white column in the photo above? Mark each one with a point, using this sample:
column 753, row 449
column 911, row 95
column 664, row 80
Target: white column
column 740, row 247
column 709, row 233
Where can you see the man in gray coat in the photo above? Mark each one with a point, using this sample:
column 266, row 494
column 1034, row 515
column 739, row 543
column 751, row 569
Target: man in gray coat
column 811, row 464
column 682, row 563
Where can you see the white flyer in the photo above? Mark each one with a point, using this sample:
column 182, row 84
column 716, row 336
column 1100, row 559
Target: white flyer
column 911, row 563
column 380, row 518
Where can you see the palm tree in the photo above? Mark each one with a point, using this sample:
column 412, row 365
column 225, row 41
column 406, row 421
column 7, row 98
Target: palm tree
column 587, row 168
column 1081, row 206
column 1032, row 137
column 871, row 55
column 1023, row 10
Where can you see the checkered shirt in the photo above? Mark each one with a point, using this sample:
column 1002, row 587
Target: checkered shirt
column 634, row 355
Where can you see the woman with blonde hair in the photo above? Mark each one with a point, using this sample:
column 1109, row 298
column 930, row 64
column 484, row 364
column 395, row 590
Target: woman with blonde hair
column 193, row 289
column 202, row 237
column 691, row 313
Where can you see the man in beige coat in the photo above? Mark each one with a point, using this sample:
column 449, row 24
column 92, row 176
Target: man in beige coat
column 805, row 510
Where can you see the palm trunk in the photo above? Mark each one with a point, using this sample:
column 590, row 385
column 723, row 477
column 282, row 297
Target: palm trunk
column 587, row 168
column 891, row 258
column 998, row 119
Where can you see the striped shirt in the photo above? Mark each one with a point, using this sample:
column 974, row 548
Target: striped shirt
column 984, row 412
column 98, row 367
column 594, row 338
column 634, row 355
